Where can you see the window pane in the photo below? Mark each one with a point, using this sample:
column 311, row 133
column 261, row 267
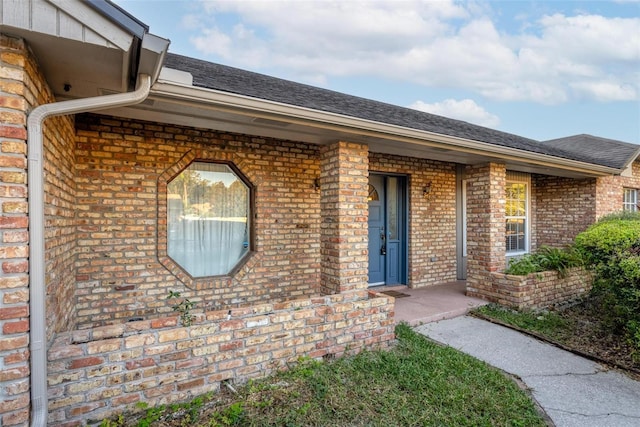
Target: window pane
column 516, row 214
column 630, row 200
column 392, row 207
column 516, row 237
column 516, row 199
column 373, row 194
column 207, row 219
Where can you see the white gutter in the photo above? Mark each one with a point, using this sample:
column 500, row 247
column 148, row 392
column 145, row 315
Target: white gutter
column 37, row 285
column 253, row 107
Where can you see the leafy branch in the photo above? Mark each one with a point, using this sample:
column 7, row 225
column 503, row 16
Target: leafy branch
column 184, row 307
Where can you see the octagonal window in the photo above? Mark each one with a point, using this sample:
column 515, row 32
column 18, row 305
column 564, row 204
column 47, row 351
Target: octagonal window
column 208, row 228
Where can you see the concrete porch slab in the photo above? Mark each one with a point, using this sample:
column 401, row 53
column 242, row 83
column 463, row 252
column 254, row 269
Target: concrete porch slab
column 432, row 303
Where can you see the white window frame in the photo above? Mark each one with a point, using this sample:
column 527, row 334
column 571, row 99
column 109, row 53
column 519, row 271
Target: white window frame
column 520, row 178
column 630, row 200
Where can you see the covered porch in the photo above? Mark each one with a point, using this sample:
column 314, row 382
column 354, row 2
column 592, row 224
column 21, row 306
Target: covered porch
column 417, row 306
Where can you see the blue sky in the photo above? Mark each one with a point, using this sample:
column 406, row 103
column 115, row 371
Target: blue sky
column 539, row 69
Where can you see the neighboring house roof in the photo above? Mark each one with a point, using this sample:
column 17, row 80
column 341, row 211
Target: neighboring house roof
column 607, row 152
column 246, row 83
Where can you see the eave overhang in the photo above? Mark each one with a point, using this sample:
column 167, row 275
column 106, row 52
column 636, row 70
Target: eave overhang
column 340, row 127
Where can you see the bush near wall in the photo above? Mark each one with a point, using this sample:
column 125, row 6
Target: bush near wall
column 547, row 277
column 611, row 248
column 546, row 259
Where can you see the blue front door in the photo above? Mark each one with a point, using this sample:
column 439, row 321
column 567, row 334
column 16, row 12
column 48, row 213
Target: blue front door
column 377, row 233
column 387, row 233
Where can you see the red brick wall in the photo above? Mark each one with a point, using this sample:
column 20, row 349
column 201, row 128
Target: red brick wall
column 564, row 208
column 96, row 373
column 15, row 100
column 24, row 88
column 609, row 190
column 119, row 163
column 60, row 233
column 25, row 91
column 432, row 220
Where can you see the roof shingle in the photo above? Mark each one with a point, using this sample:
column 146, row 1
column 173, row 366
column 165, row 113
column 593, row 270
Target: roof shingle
column 607, row 152
column 234, row 80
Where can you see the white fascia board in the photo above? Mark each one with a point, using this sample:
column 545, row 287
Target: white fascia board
column 255, row 107
column 92, row 20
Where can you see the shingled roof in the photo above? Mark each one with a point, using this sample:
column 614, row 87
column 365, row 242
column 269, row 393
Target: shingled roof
column 603, row 151
column 237, row 81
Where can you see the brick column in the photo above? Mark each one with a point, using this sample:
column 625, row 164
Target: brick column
column 14, row 279
column 486, row 245
column 344, row 181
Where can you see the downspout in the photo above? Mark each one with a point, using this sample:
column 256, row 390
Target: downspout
column 35, row 176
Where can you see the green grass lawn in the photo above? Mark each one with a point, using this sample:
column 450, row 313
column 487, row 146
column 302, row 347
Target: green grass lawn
column 417, row 383
column 546, row 323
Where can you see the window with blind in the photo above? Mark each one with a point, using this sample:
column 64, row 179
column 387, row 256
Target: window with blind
column 516, row 215
column 630, row 200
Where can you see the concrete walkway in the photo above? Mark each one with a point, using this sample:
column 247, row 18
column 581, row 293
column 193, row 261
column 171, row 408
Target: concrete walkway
column 572, row 390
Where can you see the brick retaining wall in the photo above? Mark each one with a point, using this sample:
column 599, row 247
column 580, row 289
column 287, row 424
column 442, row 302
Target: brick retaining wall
column 98, row 372
column 537, row 290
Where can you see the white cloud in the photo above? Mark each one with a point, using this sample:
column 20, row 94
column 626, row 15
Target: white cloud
column 434, row 43
column 465, row 109
column 606, row 91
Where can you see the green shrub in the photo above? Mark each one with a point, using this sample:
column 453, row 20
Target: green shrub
column 608, row 237
column 624, row 215
column 523, row 265
column 545, row 259
column 611, row 247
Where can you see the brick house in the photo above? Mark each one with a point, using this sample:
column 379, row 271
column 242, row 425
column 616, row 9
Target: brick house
column 123, row 167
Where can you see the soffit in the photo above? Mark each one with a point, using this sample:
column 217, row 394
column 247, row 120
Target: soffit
column 73, row 43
